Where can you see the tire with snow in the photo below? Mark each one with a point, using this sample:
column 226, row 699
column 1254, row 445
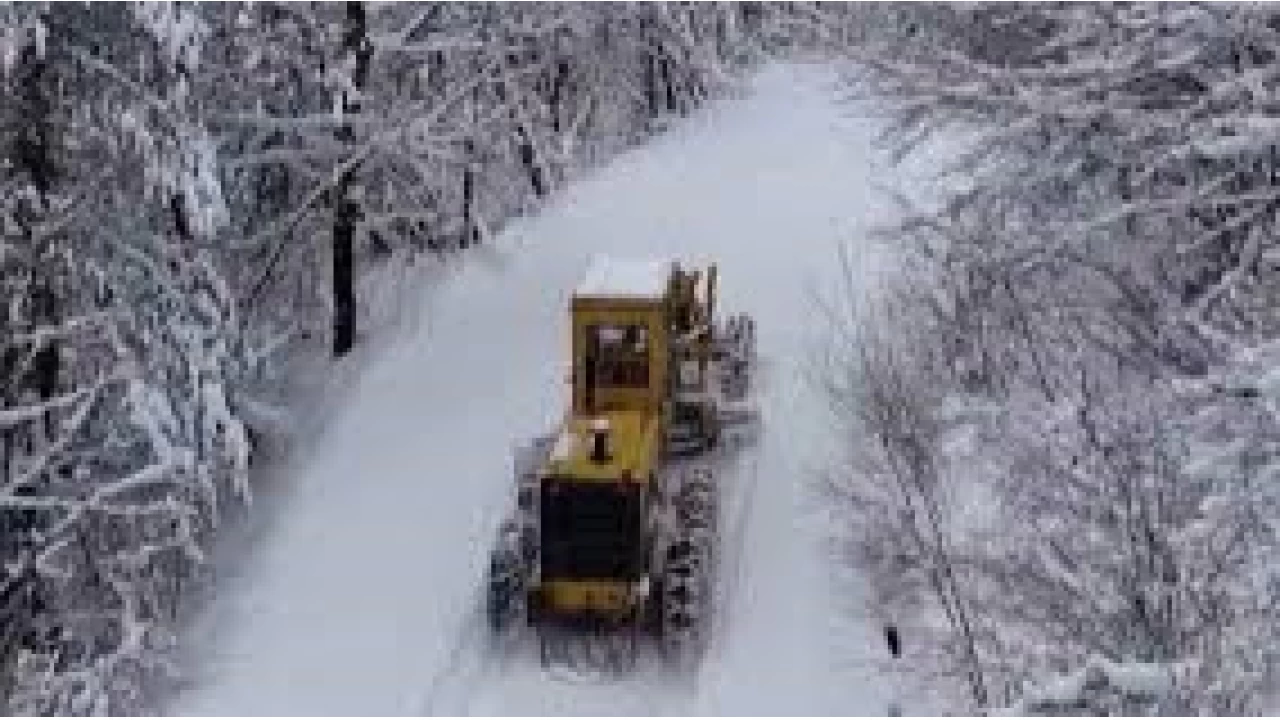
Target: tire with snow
column 688, row 566
column 685, row 598
column 505, row 581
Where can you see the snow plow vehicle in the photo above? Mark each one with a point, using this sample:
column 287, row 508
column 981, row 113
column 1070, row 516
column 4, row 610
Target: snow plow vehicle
column 611, row 542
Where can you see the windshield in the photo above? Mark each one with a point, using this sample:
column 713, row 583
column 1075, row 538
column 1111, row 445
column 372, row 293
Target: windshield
column 618, row 355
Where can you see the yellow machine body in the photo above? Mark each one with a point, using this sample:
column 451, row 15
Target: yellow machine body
column 623, row 347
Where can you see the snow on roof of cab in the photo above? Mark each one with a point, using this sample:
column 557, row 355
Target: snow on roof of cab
column 625, row 278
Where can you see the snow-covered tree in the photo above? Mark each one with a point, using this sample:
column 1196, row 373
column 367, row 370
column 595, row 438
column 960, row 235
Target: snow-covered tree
column 188, row 193
column 131, row 443
column 1094, row 289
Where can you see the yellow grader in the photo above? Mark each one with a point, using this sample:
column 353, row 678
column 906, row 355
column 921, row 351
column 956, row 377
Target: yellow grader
column 613, row 532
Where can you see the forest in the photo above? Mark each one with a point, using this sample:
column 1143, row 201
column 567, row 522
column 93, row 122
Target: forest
column 1062, row 425
column 1064, row 443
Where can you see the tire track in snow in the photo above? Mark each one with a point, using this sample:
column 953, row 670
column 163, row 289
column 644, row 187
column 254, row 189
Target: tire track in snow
column 744, row 473
column 731, row 581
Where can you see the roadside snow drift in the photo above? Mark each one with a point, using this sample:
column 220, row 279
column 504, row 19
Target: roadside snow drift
column 362, row 598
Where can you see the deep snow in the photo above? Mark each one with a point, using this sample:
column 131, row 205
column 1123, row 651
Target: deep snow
column 361, row 598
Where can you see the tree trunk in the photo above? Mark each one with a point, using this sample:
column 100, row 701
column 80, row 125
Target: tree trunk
column 560, row 79
column 529, row 158
column 470, row 232
column 650, row 75
column 32, row 152
column 47, row 364
column 347, row 210
column 344, row 295
column 668, row 85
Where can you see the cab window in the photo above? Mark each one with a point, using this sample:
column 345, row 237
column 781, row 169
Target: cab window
column 619, row 354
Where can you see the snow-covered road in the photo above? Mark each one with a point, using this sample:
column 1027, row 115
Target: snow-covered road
column 358, row 599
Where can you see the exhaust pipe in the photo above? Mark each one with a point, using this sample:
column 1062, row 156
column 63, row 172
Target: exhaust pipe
column 600, row 452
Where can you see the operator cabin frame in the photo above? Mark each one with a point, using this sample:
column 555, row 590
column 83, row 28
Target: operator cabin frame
column 640, row 337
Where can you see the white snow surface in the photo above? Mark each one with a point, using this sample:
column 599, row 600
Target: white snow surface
column 362, row 597
column 614, row 277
